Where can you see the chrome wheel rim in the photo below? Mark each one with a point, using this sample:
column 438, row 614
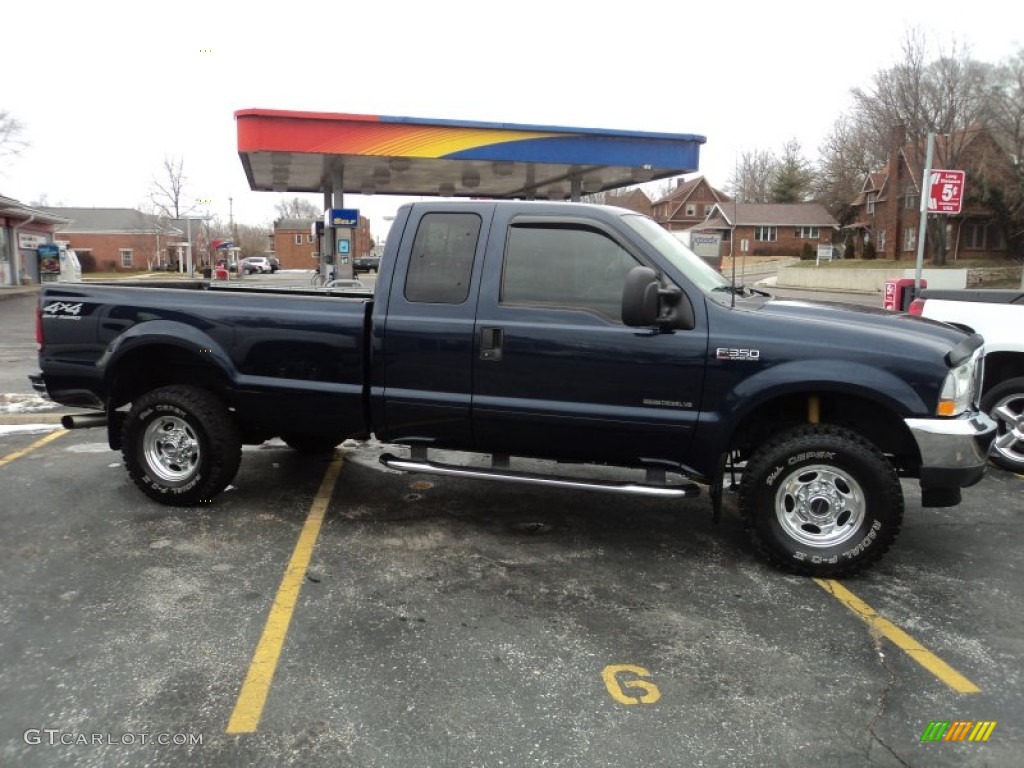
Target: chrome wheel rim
column 172, row 449
column 820, row 506
column 1008, row 414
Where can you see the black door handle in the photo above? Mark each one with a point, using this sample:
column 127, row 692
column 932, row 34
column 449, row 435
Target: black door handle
column 490, row 343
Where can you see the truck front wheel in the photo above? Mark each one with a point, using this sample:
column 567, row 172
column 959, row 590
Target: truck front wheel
column 1005, row 404
column 180, row 445
column 821, row 501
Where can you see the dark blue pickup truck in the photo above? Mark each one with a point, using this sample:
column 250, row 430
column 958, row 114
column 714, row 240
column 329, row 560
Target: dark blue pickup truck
column 578, row 333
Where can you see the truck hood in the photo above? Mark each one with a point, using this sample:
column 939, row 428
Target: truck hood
column 864, row 327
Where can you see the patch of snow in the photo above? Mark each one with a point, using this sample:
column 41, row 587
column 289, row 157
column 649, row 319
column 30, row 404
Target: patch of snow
column 19, row 402
column 27, row 429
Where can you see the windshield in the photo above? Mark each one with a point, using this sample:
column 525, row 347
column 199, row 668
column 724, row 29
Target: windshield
column 686, row 261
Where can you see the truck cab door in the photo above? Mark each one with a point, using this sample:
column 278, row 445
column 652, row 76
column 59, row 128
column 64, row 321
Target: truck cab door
column 556, row 372
column 423, row 351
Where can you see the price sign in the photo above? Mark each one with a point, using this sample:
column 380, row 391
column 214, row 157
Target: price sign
column 945, row 191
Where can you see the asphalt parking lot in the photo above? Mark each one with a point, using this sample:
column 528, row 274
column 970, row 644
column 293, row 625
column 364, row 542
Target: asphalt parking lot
column 330, row 612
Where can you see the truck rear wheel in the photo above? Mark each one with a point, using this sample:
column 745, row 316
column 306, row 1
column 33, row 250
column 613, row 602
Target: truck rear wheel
column 180, row 445
column 821, row 501
column 1005, row 404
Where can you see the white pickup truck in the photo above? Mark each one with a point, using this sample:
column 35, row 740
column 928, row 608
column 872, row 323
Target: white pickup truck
column 998, row 315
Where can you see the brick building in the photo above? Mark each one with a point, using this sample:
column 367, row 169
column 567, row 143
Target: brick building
column 296, row 247
column 888, row 208
column 121, row 239
column 771, row 229
column 22, row 230
column 689, row 204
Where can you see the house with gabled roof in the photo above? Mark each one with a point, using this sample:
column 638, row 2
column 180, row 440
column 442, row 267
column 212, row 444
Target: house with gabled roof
column 630, row 199
column 771, row 229
column 888, row 207
column 688, row 204
column 120, row 239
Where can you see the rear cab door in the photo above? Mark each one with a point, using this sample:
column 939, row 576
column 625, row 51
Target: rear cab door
column 423, row 341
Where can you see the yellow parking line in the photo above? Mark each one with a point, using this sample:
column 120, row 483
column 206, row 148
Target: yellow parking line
column 253, row 696
column 909, row 645
column 37, row 444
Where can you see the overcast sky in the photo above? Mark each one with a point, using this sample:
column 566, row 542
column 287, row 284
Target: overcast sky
column 107, row 89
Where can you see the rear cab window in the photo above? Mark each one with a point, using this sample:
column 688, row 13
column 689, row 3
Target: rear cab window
column 441, row 262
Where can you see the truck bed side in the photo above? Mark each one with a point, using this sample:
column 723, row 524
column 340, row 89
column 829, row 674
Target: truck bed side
column 277, row 359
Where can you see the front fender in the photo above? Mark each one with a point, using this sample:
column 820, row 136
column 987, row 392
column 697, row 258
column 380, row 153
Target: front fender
column 823, row 375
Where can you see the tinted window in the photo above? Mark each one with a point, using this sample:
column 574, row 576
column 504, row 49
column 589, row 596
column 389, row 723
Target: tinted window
column 565, row 266
column 442, row 258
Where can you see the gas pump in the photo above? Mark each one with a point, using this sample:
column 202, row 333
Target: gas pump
column 337, row 253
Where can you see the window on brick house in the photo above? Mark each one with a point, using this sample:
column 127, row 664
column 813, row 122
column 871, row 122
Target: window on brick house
column 911, row 201
column 708, row 209
column 126, row 257
column 298, row 239
column 880, row 245
column 808, row 233
column 766, row 234
column 309, row 238
column 691, row 210
column 871, row 202
column 909, row 239
column 980, row 236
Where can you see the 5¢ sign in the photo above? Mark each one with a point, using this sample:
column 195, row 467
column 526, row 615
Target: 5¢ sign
column 945, row 191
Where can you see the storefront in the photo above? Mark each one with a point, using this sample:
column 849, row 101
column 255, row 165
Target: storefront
column 26, row 240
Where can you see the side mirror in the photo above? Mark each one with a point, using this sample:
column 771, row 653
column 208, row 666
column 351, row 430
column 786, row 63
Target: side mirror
column 646, row 303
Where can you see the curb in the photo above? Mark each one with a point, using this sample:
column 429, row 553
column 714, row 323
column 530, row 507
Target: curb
column 12, row 292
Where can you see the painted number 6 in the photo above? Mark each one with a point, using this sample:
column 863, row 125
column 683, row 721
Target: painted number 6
column 618, row 686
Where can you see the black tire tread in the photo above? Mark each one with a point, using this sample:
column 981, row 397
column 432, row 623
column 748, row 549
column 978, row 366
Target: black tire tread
column 223, row 442
column 811, row 434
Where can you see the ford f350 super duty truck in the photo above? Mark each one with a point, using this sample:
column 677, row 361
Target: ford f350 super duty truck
column 561, row 331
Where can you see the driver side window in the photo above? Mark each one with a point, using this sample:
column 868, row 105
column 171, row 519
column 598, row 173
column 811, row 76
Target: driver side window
column 567, row 267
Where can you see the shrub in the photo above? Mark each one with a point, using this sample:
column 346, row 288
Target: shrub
column 869, row 251
column 807, row 252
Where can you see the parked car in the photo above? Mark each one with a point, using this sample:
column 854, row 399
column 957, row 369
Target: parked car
column 366, row 264
column 998, row 316
column 257, row 264
column 561, row 331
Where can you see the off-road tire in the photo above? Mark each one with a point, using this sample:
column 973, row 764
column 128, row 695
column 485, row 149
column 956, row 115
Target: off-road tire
column 180, row 445
column 1005, row 404
column 821, row 501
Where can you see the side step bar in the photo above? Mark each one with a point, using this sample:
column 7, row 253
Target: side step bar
column 658, row 489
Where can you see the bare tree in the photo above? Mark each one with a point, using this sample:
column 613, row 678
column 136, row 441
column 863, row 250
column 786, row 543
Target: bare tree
column 845, row 159
column 11, row 141
column 948, row 97
column 167, row 193
column 297, row 208
column 253, row 240
column 751, row 182
column 1001, row 188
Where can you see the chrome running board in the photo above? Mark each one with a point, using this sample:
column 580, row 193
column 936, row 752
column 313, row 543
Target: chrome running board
column 659, row 489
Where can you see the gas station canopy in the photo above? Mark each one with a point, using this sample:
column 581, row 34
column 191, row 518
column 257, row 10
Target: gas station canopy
column 312, row 151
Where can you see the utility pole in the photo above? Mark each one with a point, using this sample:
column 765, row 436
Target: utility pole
column 924, row 215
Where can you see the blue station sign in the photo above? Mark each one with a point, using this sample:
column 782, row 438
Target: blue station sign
column 342, row 217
